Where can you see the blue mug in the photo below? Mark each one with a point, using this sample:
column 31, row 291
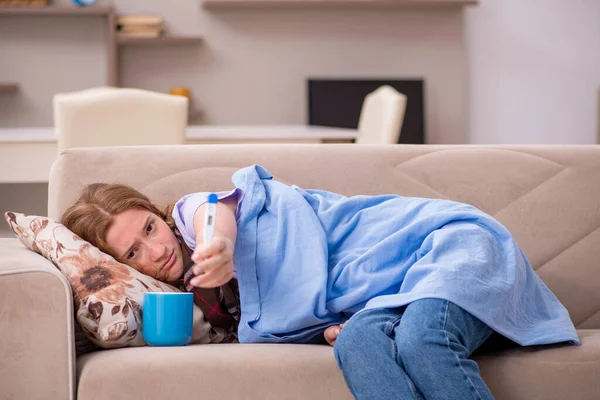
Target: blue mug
column 167, row 318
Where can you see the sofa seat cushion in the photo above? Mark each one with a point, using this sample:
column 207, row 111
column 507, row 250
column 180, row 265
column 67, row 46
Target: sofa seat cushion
column 545, row 372
column 212, row 371
column 279, row 371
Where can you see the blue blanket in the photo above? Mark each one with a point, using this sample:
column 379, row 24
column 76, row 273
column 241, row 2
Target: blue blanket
column 308, row 259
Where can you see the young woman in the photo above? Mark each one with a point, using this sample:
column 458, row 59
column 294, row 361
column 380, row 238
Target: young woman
column 404, row 288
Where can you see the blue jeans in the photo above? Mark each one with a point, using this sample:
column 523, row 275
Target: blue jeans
column 420, row 351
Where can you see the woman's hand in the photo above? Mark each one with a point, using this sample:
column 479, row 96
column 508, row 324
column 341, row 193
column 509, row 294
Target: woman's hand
column 331, row 333
column 214, row 263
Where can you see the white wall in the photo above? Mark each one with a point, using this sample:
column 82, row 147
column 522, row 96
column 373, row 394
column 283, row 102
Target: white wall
column 533, row 71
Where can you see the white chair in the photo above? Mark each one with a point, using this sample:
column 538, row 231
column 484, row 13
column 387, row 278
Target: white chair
column 107, row 116
column 381, row 116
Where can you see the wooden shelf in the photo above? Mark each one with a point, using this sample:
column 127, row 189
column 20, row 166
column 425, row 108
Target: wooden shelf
column 8, row 87
column 160, row 40
column 57, row 11
column 108, row 13
column 223, row 4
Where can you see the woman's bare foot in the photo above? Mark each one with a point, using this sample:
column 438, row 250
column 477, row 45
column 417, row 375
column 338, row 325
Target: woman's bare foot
column 332, row 333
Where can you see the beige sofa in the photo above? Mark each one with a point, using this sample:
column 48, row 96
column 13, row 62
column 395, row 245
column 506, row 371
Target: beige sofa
column 549, row 197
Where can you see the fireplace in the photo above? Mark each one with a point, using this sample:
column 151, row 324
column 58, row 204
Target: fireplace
column 337, row 103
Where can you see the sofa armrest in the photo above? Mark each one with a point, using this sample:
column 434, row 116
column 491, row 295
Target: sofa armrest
column 36, row 327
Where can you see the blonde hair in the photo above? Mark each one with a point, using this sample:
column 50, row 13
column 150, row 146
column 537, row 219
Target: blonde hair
column 93, row 213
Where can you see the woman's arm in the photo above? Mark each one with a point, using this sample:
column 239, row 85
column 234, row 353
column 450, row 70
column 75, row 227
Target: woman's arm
column 214, row 260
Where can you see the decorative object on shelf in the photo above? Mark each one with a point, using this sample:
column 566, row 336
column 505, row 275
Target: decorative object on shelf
column 84, row 3
column 140, row 26
column 23, row 3
column 180, row 91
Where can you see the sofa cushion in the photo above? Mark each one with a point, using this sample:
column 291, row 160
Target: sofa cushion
column 269, row 371
column 215, row 371
column 544, row 372
column 108, row 294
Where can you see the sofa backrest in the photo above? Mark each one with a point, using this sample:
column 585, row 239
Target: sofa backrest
column 547, row 196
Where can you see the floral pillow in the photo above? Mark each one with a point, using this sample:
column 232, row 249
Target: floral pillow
column 108, row 294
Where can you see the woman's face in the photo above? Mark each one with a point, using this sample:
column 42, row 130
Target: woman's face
column 145, row 242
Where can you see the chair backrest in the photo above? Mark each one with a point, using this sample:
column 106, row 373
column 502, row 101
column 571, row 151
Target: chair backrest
column 381, row 116
column 107, row 116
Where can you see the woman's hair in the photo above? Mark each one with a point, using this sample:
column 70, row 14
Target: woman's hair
column 92, row 214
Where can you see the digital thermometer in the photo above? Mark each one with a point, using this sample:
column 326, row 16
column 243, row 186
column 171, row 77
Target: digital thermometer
column 210, row 217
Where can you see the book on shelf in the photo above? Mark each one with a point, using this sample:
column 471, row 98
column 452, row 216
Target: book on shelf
column 140, row 26
column 23, row 3
column 139, row 20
